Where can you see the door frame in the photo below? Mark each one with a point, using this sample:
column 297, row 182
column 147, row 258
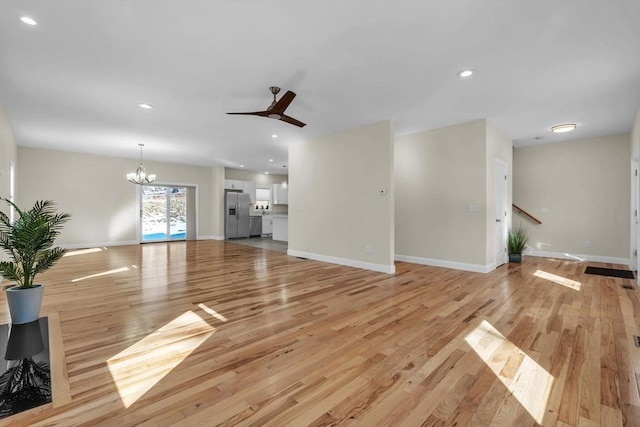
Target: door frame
column 499, row 166
column 635, row 212
column 193, row 217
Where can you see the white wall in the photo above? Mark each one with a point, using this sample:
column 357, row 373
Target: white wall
column 584, row 185
column 335, row 209
column 103, row 204
column 439, row 174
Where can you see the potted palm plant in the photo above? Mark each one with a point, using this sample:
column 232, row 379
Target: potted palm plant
column 516, row 242
column 29, row 243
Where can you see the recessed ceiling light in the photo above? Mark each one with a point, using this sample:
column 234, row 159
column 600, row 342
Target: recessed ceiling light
column 266, row 173
column 567, row 127
column 145, row 106
column 271, row 160
column 27, row 20
column 241, row 166
column 465, row 73
column 274, row 136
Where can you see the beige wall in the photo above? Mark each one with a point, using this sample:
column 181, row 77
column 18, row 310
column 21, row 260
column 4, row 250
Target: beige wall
column 439, row 174
column 8, row 154
column 261, row 180
column 102, row 202
column 585, row 186
column 335, row 209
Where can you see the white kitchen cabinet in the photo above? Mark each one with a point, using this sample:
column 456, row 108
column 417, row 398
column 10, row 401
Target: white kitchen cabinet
column 233, row 184
column 250, row 187
column 280, row 195
column 281, row 228
column 267, row 224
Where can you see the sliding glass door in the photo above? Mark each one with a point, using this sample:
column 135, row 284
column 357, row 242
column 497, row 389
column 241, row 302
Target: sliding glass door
column 163, row 213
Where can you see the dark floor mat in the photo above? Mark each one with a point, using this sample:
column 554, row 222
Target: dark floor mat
column 611, row 272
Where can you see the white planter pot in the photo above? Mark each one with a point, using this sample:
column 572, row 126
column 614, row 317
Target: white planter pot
column 24, row 304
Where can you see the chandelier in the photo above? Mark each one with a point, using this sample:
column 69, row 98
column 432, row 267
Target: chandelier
column 140, row 175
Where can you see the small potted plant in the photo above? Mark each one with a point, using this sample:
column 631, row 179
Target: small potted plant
column 29, row 243
column 517, row 240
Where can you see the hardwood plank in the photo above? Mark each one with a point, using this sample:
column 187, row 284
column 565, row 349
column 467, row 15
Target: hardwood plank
column 214, row 333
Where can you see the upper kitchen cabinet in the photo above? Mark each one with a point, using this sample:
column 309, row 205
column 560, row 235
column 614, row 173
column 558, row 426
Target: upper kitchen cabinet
column 280, row 195
column 233, row 184
column 244, row 186
column 250, row 187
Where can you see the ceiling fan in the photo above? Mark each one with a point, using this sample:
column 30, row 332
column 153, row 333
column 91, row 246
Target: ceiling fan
column 276, row 109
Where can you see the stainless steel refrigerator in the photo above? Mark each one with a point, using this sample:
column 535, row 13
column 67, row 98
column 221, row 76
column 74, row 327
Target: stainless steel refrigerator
column 236, row 218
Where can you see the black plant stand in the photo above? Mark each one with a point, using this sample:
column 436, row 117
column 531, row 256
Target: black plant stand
column 25, row 374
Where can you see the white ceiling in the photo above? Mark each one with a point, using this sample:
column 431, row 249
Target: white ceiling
column 73, row 82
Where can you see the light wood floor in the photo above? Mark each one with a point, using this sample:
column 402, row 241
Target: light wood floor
column 213, row 333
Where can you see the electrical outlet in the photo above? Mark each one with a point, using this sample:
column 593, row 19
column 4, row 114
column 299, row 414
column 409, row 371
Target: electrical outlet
column 368, row 249
column 544, row 209
column 474, row 208
column 587, row 243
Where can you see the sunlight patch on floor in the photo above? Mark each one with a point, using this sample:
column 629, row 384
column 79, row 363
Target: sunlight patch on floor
column 527, row 381
column 210, row 311
column 69, row 253
column 558, row 279
column 138, row 368
column 104, row 273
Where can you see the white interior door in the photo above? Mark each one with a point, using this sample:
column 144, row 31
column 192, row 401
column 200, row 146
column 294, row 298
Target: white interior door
column 633, row 250
column 500, row 187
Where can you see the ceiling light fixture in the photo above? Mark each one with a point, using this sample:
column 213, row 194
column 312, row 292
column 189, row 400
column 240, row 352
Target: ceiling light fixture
column 140, row 175
column 241, row 166
column 274, row 136
column 567, row 127
column 271, row 160
column 29, row 21
column 145, row 106
column 266, row 173
column 465, row 73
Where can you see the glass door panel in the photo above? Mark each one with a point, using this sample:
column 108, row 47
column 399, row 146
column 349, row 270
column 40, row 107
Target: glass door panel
column 178, row 213
column 154, row 213
column 164, row 213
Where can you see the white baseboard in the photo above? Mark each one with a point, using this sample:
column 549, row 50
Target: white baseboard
column 389, row 269
column 210, row 238
column 578, row 257
column 476, row 268
column 99, row 244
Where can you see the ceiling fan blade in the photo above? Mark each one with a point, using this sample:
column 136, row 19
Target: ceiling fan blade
column 292, row 121
column 283, row 103
column 253, row 113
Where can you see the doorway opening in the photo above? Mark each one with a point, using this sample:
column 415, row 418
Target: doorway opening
column 166, row 213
